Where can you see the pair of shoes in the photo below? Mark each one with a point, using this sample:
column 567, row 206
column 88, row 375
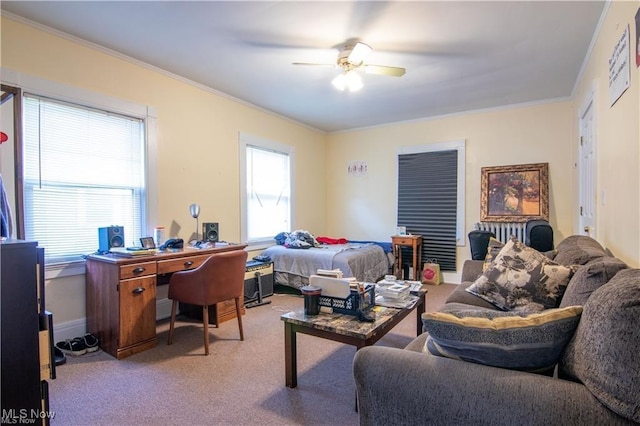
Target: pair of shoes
column 75, row 347
column 79, row 345
column 91, row 342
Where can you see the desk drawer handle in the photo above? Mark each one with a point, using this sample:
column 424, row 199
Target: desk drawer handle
column 138, row 290
column 188, row 263
column 139, row 270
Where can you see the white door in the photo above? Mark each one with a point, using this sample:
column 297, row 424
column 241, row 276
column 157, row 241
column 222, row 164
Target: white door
column 587, row 171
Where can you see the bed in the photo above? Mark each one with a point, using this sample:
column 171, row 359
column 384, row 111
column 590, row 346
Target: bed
column 367, row 261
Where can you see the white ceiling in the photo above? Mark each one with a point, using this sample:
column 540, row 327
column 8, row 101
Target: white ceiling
column 459, row 56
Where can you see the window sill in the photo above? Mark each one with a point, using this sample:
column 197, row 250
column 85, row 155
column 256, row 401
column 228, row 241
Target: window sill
column 259, row 245
column 66, row 269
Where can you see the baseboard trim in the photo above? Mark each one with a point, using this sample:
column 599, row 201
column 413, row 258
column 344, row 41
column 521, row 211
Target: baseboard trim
column 452, row 277
column 78, row 327
column 69, row 329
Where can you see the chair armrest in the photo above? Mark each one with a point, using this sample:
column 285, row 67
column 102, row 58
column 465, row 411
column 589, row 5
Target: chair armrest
column 397, row 386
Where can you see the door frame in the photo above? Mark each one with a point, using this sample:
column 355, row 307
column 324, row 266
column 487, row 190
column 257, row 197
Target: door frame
column 14, row 94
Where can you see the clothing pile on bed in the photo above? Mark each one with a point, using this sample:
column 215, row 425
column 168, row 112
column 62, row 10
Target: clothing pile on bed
column 299, row 239
column 302, row 239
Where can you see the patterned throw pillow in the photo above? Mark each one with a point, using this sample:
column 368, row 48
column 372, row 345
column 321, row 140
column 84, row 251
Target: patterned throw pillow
column 590, row 277
column 492, row 251
column 522, row 278
column 532, row 342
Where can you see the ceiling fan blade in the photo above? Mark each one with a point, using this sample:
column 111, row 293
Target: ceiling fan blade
column 314, row 64
column 384, row 70
column 358, row 53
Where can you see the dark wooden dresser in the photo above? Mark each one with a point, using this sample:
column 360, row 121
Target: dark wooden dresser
column 27, row 356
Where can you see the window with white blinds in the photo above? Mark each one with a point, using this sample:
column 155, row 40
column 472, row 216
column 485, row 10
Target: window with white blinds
column 265, row 189
column 83, row 169
column 431, row 199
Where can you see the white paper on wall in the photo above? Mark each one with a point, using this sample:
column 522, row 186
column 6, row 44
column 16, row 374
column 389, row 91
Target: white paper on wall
column 619, row 68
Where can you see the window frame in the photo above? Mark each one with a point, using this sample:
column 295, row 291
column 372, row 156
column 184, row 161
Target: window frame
column 70, row 94
column 245, row 140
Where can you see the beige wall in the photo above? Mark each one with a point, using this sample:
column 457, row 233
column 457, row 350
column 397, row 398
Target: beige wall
column 530, row 134
column 364, row 206
column 197, row 150
column 618, row 139
column 197, row 130
column 197, row 141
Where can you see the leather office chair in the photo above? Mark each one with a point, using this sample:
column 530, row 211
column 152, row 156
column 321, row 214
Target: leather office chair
column 219, row 278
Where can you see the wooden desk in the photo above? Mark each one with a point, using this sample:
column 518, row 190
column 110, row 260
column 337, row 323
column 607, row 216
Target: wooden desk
column 121, row 295
column 413, row 241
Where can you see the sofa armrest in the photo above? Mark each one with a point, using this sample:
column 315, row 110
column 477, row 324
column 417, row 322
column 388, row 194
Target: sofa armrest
column 397, row 386
column 471, row 269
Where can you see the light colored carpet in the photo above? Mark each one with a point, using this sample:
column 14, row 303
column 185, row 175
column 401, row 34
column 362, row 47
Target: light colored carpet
column 240, row 383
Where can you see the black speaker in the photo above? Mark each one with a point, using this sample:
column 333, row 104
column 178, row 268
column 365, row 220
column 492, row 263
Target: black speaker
column 210, row 232
column 539, row 235
column 110, row 236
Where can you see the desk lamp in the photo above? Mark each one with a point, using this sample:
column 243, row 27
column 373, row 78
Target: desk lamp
column 194, row 209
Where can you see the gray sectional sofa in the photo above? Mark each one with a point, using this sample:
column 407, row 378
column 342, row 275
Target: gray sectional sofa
column 596, row 379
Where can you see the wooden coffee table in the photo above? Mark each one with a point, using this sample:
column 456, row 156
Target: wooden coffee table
column 342, row 328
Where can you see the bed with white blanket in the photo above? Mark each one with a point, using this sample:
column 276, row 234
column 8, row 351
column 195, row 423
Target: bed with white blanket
column 368, row 262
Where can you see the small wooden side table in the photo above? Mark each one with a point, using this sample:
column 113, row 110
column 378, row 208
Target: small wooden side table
column 413, row 241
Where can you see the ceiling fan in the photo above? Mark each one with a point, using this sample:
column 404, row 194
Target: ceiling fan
column 350, row 59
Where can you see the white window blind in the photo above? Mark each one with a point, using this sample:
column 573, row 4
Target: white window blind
column 83, row 169
column 268, row 193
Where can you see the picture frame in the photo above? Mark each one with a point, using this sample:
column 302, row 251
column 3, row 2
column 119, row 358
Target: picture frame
column 518, row 193
column 147, row 243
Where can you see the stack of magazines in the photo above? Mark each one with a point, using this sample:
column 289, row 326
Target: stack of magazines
column 394, row 294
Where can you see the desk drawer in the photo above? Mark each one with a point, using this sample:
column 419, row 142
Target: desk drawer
column 182, row 264
column 137, row 270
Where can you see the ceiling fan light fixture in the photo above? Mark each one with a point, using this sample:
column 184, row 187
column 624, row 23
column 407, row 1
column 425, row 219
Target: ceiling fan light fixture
column 340, row 82
column 348, row 80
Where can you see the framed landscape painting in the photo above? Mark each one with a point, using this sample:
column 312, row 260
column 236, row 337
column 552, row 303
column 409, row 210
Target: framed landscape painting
column 515, row 193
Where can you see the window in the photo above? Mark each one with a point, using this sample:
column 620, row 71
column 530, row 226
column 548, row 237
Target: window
column 83, row 169
column 431, row 198
column 265, row 189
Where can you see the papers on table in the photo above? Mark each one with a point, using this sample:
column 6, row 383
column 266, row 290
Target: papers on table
column 406, row 302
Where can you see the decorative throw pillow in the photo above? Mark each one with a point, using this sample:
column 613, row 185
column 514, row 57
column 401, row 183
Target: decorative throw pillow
column 588, row 278
column 532, row 342
column 522, row 278
column 493, row 249
column 603, row 353
column 578, row 250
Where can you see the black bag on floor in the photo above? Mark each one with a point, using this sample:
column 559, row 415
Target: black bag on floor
column 539, row 235
column 479, row 242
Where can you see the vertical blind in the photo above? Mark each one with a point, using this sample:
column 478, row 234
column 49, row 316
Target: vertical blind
column 83, row 169
column 427, row 203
